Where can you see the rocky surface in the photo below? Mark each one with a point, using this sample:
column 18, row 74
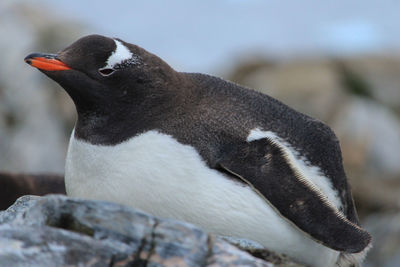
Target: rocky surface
column 59, row 231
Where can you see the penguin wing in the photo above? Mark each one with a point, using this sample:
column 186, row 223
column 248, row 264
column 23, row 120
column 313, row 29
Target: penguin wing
column 265, row 167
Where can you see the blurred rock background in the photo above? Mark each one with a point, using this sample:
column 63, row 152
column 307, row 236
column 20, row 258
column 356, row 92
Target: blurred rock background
column 35, row 116
column 358, row 95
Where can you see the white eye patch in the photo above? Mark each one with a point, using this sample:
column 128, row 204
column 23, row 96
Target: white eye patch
column 121, row 57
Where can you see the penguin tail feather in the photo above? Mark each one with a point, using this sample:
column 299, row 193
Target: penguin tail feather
column 353, row 259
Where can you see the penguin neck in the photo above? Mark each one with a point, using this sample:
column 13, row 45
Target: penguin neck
column 112, row 122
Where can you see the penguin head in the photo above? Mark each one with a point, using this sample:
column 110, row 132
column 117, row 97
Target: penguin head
column 99, row 71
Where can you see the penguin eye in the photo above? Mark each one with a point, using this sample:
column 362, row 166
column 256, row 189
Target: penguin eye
column 106, row 71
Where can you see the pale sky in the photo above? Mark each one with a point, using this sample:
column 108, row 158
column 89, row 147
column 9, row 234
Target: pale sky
column 208, row 34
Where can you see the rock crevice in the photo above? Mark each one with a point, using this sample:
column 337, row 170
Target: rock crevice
column 56, row 231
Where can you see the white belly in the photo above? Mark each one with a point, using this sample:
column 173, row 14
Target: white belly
column 155, row 173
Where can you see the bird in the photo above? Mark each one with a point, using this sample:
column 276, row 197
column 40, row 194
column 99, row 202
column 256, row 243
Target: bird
column 197, row 148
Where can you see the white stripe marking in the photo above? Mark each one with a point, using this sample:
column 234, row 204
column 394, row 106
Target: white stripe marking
column 120, row 54
column 312, row 173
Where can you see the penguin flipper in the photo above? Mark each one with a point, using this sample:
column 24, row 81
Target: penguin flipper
column 264, row 166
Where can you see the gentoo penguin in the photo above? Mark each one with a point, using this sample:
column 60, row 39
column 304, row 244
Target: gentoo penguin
column 204, row 150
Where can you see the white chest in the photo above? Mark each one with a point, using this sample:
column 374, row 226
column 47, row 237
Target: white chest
column 155, row 173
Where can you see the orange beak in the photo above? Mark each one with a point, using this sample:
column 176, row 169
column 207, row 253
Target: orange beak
column 48, row 62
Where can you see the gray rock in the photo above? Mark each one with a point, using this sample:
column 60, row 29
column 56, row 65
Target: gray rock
column 385, row 229
column 259, row 251
column 56, row 231
column 375, row 195
column 34, row 113
column 381, row 73
column 365, row 123
column 243, row 243
column 18, row 209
